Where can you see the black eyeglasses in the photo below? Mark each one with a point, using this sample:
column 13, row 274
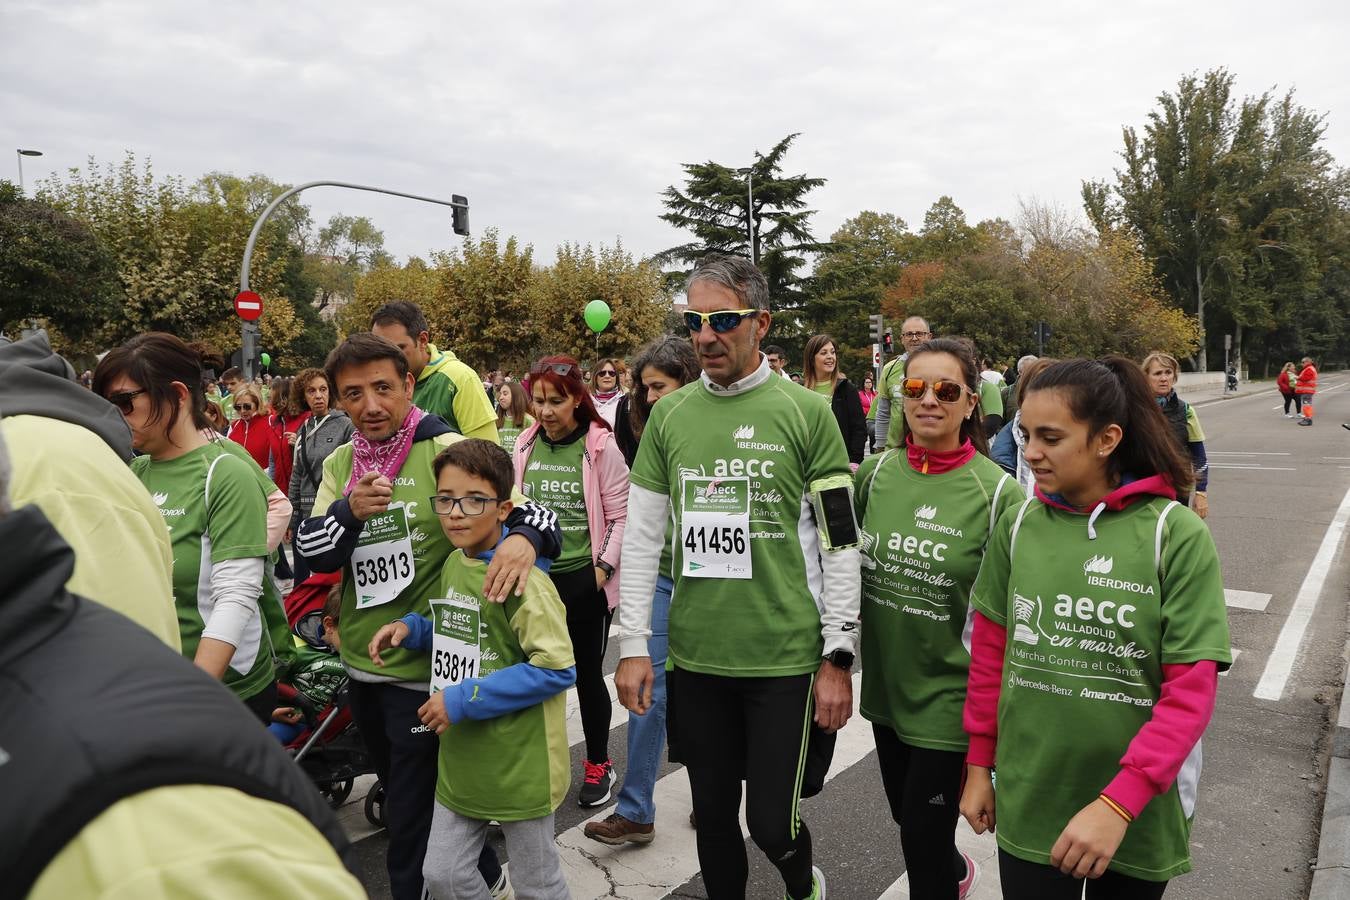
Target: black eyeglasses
column 946, row 391
column 471, row 505
column 721, row 321
column 916, row 334
column 125, row 400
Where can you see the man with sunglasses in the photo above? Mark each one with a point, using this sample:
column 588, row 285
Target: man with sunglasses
column 373, row 521
column 913, row 332
column 766, row 570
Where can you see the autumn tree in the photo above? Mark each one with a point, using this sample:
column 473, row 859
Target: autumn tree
column 579, row 274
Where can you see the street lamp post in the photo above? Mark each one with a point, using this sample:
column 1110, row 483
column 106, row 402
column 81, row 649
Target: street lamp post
column 20, row 154
column 251, row 330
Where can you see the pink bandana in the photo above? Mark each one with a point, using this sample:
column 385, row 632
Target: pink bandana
column 386, row 456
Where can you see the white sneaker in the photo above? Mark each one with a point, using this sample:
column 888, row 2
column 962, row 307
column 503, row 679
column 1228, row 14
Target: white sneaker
column 966, row 886
column 502, row 890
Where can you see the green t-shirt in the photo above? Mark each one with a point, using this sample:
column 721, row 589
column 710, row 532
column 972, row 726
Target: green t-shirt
column 892, row 375
column 1090, row 625
column 507, row 432
column 767, row 445
column 451, row 390
column 824, row 389
column 553, row 479
column 317, row 675
column 413, row 486
column 516, row 766
column 991, row 399
column 229, row 522
column 923, row 539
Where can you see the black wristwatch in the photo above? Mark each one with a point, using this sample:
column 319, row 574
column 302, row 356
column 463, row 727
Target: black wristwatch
column 606, row 568
column 840, row 658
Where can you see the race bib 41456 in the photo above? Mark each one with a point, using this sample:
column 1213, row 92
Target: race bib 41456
column 715, row 527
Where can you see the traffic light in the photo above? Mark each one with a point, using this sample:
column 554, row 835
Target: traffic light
column 886, row 341
column 878, row 327
column 460, row 214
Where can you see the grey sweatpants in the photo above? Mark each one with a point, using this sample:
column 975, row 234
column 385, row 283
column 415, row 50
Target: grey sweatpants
column 451, row 865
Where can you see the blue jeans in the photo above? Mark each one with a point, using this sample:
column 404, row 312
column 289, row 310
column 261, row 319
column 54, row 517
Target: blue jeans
column 646, row 733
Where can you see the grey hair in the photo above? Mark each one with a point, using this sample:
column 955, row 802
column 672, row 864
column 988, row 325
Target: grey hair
column 1029, row 358
column 738, row 275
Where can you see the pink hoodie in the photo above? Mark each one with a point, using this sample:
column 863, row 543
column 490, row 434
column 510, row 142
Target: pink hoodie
column 604, row 488
column 1159, row 749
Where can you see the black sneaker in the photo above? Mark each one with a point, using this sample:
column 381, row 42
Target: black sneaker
column 596, row 784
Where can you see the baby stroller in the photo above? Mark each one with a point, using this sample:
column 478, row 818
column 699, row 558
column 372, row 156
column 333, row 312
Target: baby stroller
column 328, row 747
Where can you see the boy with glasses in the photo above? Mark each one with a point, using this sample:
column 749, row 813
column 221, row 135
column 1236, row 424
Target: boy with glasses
column 498, row 677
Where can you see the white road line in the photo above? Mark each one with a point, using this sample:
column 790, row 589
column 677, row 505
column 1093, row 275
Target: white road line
column 1246, row 599
column 1236, row 653
column 1336, row 457
column 983, row 848
column 652, row 871
column 1262, row 468
column 1246, row 453
column 1281, row 661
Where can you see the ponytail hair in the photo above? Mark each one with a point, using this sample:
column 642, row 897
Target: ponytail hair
column 1113, row 390
column 972, row 427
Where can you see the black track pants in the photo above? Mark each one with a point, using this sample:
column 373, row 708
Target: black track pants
column 924, row 790
column 751, row 729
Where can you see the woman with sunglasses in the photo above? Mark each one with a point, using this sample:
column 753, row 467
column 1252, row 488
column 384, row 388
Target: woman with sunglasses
column 926, row 509
column 569, row 462
column 213, row 507
column 252, row 430
column 821, row 365
column 663, row 367
column 605, row 390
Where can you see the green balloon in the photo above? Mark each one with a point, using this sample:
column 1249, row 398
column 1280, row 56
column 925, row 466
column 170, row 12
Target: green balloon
column 597, row 315
column 266, row 360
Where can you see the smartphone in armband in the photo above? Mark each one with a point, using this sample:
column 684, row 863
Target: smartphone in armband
column 834, row 518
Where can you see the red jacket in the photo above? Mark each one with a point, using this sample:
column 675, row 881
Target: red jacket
column 1282, row 383
column 286, row 450
column 1307, row 380
column 257, row 436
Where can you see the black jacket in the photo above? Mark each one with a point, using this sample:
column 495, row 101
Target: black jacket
column 94, row 709
column 848, row 412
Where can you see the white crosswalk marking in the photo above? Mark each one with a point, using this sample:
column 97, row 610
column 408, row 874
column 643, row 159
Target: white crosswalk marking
column 653, row 871
column 1253, row 600
column 1236, row 654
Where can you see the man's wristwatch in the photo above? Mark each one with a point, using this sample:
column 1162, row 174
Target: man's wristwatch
column 606, row 568
column 840, row 658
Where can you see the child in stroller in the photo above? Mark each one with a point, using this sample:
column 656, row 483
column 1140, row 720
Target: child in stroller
column 316, row 727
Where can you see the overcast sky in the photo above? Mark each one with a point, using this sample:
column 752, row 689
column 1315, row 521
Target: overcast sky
column 564, row 121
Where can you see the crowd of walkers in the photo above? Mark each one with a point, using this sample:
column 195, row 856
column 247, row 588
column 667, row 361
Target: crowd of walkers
column 1018, row 557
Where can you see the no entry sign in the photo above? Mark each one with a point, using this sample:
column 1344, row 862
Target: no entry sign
column 248, row 306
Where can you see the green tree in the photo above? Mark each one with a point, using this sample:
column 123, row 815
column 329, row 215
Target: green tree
column 864, row 259
column 715, row 207
column 52, row 268
column 1237, row 202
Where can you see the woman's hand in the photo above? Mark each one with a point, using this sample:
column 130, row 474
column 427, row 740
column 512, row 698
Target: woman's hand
column 977, row 799
column 1089, row 841
column 1201, row 504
